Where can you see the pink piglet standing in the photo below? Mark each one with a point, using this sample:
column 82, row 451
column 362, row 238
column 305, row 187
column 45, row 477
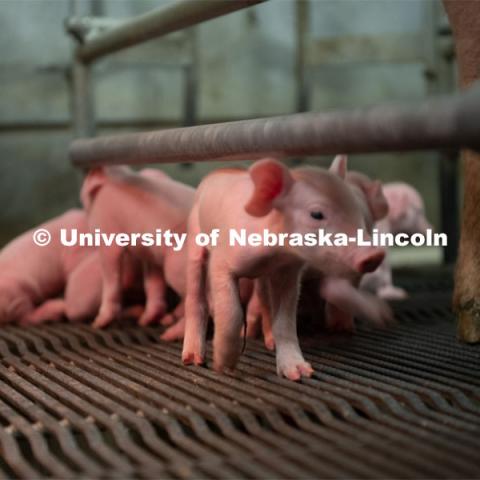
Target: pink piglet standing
column 267, row 196
column 406, row 214
column 119, row 200
column 33, row 276
column 326, row 294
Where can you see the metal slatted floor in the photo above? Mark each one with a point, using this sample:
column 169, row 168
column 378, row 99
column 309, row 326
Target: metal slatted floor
column 399, row 403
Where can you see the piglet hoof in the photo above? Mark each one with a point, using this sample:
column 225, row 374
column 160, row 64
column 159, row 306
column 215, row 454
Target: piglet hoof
column 269, row 342
column 225, row 362
column 294, row 370
column 168, row 319
column 151, row 315
column 191, row 358
column 102, row 320
column 175, row 332
column 392, row 293
column 146, row 320
column 135, row 311
column 220, row 368
column 225, row 357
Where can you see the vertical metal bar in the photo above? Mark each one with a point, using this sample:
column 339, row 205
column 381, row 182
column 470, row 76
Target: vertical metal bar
column 439, row 76
column 98, row 8
column 449, row 162
column 81, row 94
column 449, row 208
column 82, row 100
column 190, row 94
column 302, row 34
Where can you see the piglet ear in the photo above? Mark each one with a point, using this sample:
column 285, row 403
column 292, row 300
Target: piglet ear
column 376, row 200
column 397, row 202
column 93, row 182
column 271, row 182
column 339, row 166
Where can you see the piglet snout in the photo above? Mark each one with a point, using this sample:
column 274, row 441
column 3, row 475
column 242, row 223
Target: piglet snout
column 370, row 261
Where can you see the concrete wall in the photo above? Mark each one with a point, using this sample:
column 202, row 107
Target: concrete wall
column 246, row 69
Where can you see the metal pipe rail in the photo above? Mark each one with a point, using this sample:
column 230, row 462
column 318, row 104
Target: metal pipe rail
column 441, row 123
column 161, row 21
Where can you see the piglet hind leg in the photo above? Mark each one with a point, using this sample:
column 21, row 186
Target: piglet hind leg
column 284, row 288
column 175, row 322
column 337, row 320
column 253, row 316
column 173, row 317
column 50, row 311
column 111, row 305
column 258, row 314
column 155, row 290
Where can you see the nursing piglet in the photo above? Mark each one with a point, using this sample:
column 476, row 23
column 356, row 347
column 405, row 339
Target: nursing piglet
column 267, row 196
column 119, row 200
column 31, row 275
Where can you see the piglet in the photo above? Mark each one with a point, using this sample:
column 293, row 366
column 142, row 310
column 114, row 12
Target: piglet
column 406, row 214
column 32, row 276
column 267, row 196
column 328, row 297
column 118, row 200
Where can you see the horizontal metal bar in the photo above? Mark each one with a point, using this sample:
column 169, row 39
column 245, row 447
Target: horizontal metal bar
column 106, row 123
column 161, row 21
column 450, row 122
column 387, row 48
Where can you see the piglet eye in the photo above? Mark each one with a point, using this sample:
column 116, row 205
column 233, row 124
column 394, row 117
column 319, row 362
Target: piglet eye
column 317, row 215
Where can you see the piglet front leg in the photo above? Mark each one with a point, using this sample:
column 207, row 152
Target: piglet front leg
column 228, row 317
column 196, row 310
column 284, row 289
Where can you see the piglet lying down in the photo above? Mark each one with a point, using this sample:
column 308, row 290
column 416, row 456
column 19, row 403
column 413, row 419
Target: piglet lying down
column 267, row 196
column 32, row 274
